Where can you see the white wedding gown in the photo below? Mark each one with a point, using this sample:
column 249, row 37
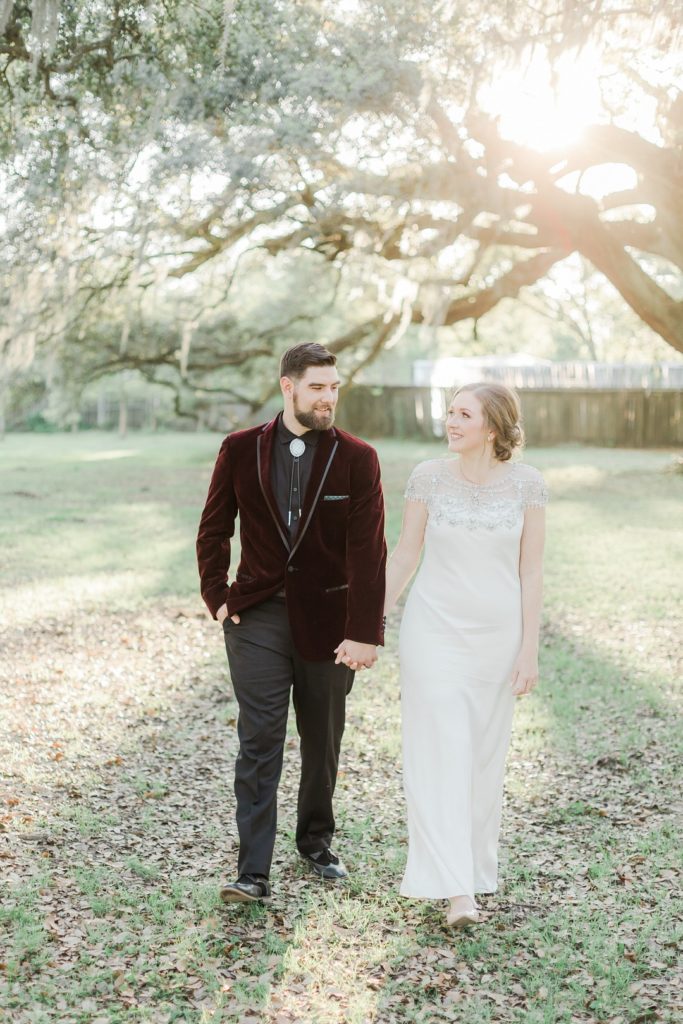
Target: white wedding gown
column 460, row 635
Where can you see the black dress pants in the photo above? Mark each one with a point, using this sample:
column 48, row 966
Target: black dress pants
column 264, row 666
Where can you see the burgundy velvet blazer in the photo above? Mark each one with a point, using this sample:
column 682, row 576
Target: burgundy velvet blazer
column 333, row 570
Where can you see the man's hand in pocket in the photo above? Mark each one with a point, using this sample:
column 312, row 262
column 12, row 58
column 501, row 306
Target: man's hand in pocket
column 222, row 615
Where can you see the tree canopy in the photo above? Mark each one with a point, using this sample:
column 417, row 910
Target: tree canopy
column 193, row 186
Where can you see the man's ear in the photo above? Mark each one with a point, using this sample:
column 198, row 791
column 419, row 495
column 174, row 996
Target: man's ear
column 286, row 386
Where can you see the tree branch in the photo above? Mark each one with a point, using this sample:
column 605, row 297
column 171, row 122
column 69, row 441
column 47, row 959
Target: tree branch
column 597, row 242
column 506, row 287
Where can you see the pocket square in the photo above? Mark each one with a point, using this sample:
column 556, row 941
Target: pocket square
column 335, row 497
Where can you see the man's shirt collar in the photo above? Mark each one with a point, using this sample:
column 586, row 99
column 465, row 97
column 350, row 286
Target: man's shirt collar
column 285, row 435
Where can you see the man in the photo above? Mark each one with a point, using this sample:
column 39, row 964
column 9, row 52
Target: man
column 309, row 586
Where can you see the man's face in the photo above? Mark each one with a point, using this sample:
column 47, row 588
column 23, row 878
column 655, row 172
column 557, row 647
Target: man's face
column 314, row 397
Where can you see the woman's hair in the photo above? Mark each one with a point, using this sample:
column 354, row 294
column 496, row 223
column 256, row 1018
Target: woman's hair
column 296, row 360
column 502, row 413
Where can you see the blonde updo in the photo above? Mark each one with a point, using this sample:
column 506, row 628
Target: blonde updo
column 502, row 413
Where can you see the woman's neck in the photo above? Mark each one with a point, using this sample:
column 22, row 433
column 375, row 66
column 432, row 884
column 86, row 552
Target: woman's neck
column 479, row 468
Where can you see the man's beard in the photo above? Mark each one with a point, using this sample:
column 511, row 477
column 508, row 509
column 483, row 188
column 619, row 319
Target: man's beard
column 314, row 420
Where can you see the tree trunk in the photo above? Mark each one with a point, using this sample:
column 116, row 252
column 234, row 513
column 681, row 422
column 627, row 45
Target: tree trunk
column 101, row 411
column 123, row 416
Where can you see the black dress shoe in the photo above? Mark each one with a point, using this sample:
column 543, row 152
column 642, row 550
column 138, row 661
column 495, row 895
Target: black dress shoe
column 247, row 889
column 326, row 864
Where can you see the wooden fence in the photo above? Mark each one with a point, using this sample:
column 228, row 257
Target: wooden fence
column 563, row 374
column 626, row 418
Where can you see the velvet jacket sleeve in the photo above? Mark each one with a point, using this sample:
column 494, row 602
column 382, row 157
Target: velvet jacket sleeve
column 216, row 527
column 366, row 552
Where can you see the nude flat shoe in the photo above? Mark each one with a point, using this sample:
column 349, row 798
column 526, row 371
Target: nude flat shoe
column 462, row 918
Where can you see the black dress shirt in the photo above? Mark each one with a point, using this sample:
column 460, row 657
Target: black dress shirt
column 284, row 478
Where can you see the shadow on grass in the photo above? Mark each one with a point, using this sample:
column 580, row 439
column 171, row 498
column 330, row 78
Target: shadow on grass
column 125, row 767
column 66, row 516
column 119, row 909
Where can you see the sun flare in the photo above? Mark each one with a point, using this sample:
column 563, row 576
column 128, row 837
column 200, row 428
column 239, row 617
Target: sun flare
column 542, row 105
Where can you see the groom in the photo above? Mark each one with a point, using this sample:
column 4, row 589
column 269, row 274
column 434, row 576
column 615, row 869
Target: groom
column 309, row 586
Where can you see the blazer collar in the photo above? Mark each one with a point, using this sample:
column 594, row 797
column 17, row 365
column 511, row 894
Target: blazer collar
column 264, row 459
column 322, row 460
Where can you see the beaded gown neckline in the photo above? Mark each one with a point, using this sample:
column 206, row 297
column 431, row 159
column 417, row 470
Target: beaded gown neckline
column 454, row 463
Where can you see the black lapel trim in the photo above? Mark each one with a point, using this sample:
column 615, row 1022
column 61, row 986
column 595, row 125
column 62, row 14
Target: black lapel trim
column 267, row 499
column 304, row 526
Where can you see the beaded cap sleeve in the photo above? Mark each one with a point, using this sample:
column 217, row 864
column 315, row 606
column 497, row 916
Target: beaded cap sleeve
column 534, row 489
column 420, row 484
column 457, row 502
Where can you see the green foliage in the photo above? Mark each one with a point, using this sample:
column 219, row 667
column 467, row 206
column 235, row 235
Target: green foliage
column 194, row 186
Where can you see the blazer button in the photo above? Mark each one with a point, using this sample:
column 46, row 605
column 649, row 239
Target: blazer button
column 290, row 568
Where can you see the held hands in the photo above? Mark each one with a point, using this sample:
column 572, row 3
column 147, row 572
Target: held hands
column 355, row 656
column 222, row 615
column 524, row 673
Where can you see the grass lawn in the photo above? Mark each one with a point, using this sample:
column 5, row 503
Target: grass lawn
column 117, row 740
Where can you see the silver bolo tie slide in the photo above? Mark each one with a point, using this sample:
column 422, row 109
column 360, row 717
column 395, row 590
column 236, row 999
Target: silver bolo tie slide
column 296, row 448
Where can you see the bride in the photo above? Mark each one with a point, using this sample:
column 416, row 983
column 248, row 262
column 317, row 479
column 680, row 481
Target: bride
column 468, row 642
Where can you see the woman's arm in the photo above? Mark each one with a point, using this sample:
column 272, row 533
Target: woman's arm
column 406, row 555
column 525, row 672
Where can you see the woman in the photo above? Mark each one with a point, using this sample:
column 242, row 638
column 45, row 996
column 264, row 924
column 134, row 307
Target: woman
column 468, row 642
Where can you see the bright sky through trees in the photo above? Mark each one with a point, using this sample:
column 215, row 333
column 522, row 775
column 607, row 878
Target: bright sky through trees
column 547, row 104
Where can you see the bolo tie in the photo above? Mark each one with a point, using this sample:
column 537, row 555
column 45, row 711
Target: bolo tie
column 296, row 448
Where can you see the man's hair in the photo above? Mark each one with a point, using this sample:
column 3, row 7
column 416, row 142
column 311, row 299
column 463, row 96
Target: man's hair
column 297, row 359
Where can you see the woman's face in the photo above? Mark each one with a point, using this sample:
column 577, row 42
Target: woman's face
column 466, row 426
